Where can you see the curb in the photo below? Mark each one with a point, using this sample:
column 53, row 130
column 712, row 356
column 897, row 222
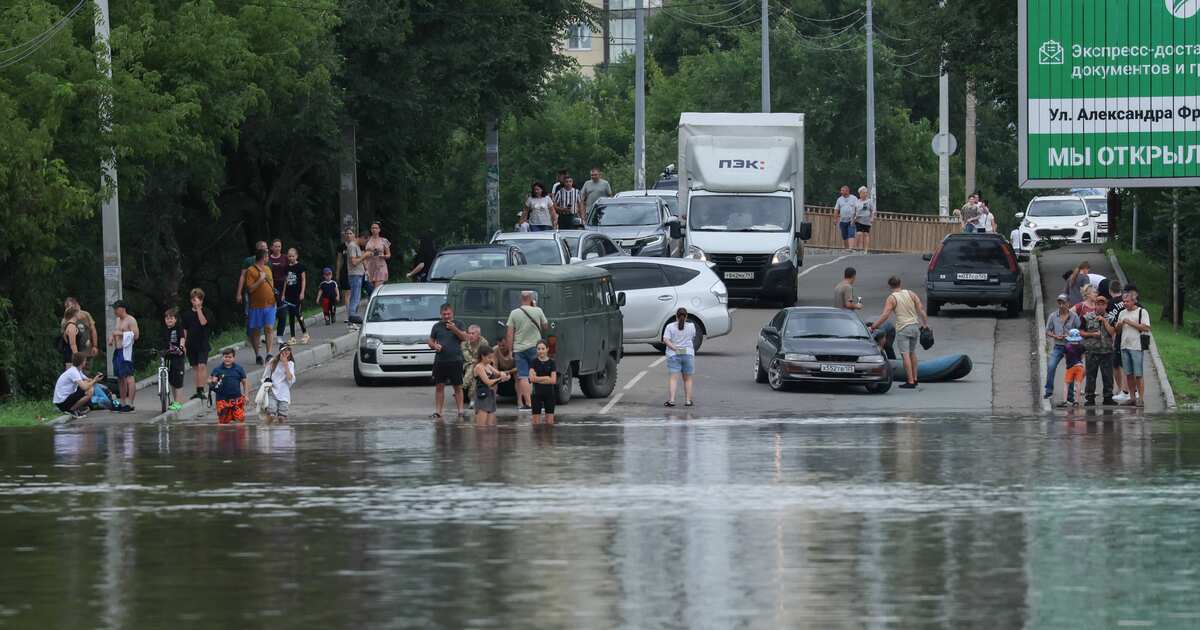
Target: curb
column 1039, row 339
column 1163, row 382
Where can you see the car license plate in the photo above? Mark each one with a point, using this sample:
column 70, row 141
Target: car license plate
column 972, row 276
column 834, row 368
column 739, row 275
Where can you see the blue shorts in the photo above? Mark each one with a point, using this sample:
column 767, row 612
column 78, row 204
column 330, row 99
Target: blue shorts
column 524, row 358
column 847, row 228
column 121, row 367
column 540, row 228
column 260, row 318
column 681, row 364
column 1131, row 361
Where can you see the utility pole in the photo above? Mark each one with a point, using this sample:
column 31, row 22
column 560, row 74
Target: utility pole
column 969, row 149
column 348, row 190
column 491, row 151
column 871, row 104
column 944, row 131
column 639, row 88
column 1175, row 308
column 766, row 60
column 110, row 210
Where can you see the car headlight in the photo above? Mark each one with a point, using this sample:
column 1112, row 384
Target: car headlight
column 695, row 253
column 1030, row 224
column 792, row 356
column 653, row 240
column 871, row 358
column 781, row 255
column 371, row 342
column 1083, row 223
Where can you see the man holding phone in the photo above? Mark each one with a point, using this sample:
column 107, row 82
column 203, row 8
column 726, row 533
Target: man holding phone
column 446, row 339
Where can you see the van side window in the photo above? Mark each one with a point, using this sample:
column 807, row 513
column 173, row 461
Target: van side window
column 512, row 298
column 479, row 300
column 592, row 296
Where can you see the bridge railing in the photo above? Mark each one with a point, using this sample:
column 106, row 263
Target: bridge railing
column 891, row 232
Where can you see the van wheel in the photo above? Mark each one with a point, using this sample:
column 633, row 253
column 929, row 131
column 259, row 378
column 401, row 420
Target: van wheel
column 934, row 307
column 359, row 378
column 565, row 385
column 600, row 384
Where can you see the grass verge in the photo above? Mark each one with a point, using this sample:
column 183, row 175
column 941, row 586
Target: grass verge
column 26, row 413
column 1180, row 350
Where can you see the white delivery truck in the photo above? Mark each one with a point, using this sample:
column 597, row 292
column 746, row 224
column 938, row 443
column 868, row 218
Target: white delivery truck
column 741, row 187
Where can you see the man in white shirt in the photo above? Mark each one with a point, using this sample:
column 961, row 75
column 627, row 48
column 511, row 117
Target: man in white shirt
column 1131, row 324
column 73, row 390
column 846, row 206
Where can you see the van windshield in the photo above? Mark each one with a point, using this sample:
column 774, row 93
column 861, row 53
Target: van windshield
column 406, row 308
column 1057, row 208
column 727, row 213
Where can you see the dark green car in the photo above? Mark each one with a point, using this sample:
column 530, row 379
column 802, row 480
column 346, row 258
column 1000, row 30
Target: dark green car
column 585, row 317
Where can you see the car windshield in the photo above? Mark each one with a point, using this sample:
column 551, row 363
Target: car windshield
column 538, row 251
column 448, row 265
column 722, row 213
column 1097, row 205
column 824, row 326
column 406, row 308
column 1057, row 208
column 624, row 214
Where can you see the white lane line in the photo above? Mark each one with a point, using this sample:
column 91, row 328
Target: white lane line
column 659, row 361
column 842, row 257
column 634, row 380
column 616, row 399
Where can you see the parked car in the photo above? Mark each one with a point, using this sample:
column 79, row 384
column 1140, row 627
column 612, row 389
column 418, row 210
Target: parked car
column 670, row 196
column 975, row 270
column 641, row 225
column 654, row 288
column 1098, row 209
column 586, row 245
column 819, row 344
column 583, row 309
column 1060, row 218
column 393, row 340
column 454, row 260
column 540, row 248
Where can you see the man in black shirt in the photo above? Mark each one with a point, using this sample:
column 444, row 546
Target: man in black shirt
column 446, row 339
column 197, row 322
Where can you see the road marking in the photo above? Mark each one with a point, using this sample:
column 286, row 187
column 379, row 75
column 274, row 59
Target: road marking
column 634, row 380
column 616, row 399
column 659, row 361
column 842, row 257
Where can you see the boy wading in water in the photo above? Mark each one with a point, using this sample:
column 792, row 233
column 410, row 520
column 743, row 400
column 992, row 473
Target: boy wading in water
column 228, row 381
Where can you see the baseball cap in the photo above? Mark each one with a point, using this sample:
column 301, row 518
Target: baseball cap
column 118, row 304
column 327, row 270
column 1062, row 297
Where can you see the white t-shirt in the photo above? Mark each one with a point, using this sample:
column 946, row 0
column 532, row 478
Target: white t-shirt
column 1014, row 237
column 1130, row 337
column 1095, row 279
column 67, row 383
column 539, row 210
column 847, row 207
column 681, row 339
column 281, row 388
column 987, row 222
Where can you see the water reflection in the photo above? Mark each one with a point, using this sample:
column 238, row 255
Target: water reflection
column 1082, row 521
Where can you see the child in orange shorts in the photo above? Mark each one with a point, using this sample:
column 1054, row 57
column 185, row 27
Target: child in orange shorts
column 228, row 381
column 1073, row 379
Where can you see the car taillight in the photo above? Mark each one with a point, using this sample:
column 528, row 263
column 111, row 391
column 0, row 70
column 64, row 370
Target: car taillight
column 1012, row 260
column 933, row 261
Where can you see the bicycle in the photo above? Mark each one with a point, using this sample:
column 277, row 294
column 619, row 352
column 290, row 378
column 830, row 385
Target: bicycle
column 164, row 380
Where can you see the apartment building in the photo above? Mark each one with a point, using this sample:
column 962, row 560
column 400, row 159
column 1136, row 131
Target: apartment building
column 595, row 50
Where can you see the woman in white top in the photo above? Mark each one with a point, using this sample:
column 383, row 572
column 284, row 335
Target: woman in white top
column 283, row 375
column 679, row 337
column 540, row 212
column 987, row 221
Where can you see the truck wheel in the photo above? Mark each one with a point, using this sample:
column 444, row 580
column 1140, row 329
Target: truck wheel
column 359, row 378
column 934, row 307
column 600, row 384
column 565, row 385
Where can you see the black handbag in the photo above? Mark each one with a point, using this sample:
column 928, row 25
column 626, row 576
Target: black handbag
column 926, row 339
column 1145, row 336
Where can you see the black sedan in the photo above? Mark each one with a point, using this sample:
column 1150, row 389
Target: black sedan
column 810, row 344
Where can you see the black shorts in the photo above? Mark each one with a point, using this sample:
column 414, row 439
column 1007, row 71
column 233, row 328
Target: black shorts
column 865, row 228
column 175, row 367
column 71, row 400
column 544, row 403
column 198, row 354
column 448, row 373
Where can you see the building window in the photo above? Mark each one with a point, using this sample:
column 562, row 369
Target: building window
column 579, row 37
column 620, row 38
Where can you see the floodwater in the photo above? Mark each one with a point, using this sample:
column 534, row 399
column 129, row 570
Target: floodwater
column 815, row 522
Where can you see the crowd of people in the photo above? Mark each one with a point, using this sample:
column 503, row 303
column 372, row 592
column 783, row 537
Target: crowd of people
column 975, row 215
column 856, row 215
column 564, row 206
column 1101, row 332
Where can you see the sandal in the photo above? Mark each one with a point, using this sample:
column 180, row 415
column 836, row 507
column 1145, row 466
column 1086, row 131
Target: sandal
column 669, row 403
column 689, row 404
column 435, row 416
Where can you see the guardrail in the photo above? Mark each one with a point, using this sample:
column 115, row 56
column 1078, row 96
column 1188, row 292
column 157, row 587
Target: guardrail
column 892, row 232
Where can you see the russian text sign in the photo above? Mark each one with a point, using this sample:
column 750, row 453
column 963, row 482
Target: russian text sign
column 1109, row 93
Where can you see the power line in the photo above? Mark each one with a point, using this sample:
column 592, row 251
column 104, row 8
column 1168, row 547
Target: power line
column 24, row 50
column 784, row 7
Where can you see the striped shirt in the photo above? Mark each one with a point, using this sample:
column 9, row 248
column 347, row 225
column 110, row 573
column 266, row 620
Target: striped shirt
column 567, row 200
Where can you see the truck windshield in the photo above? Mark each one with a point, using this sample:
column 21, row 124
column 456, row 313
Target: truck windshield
column 624, row 214
column 726, row 213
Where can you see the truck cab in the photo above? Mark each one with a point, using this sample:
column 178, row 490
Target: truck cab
column 741, row 187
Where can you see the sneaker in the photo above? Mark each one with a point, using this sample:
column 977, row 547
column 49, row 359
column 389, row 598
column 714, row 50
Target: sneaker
column 125, row 408
column 78, row 413
column 268, row 357
column 175, row 406
column 1108, row 401
column 1048, row 396
column 1121, row 397
column 908, row 386
column 1090, row 402
column 305, row 339
column 525, row 408
column 1065, row 403
column 197, row 396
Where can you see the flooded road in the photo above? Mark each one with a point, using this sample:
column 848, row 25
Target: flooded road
column 814, row 522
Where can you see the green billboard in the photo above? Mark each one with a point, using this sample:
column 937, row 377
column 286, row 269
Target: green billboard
column 1109, row 93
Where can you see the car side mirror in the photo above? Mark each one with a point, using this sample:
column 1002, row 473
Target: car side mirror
column 1019, row 215
column 576, row 259
column 356, row 319
column 770, row 330
column 927, row 257
column 805, row 231
column 1022, row 257
column 1095, row 213
column 621, row 298
column 675, row 229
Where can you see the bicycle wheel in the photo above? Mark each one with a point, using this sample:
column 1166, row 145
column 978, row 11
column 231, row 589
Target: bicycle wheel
column 164, row 393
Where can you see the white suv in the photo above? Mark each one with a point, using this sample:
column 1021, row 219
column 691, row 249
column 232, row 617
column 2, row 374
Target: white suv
column 1064, row 218
column 393, row 342
column 655, row 287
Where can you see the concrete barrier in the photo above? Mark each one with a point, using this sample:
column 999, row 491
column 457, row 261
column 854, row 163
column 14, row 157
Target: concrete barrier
column 1164, row 383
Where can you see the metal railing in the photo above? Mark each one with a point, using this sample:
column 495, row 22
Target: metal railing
column 891, row 232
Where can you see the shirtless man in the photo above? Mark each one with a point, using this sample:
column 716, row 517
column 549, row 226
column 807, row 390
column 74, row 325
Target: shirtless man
column 123, row 356
column 94, row 346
